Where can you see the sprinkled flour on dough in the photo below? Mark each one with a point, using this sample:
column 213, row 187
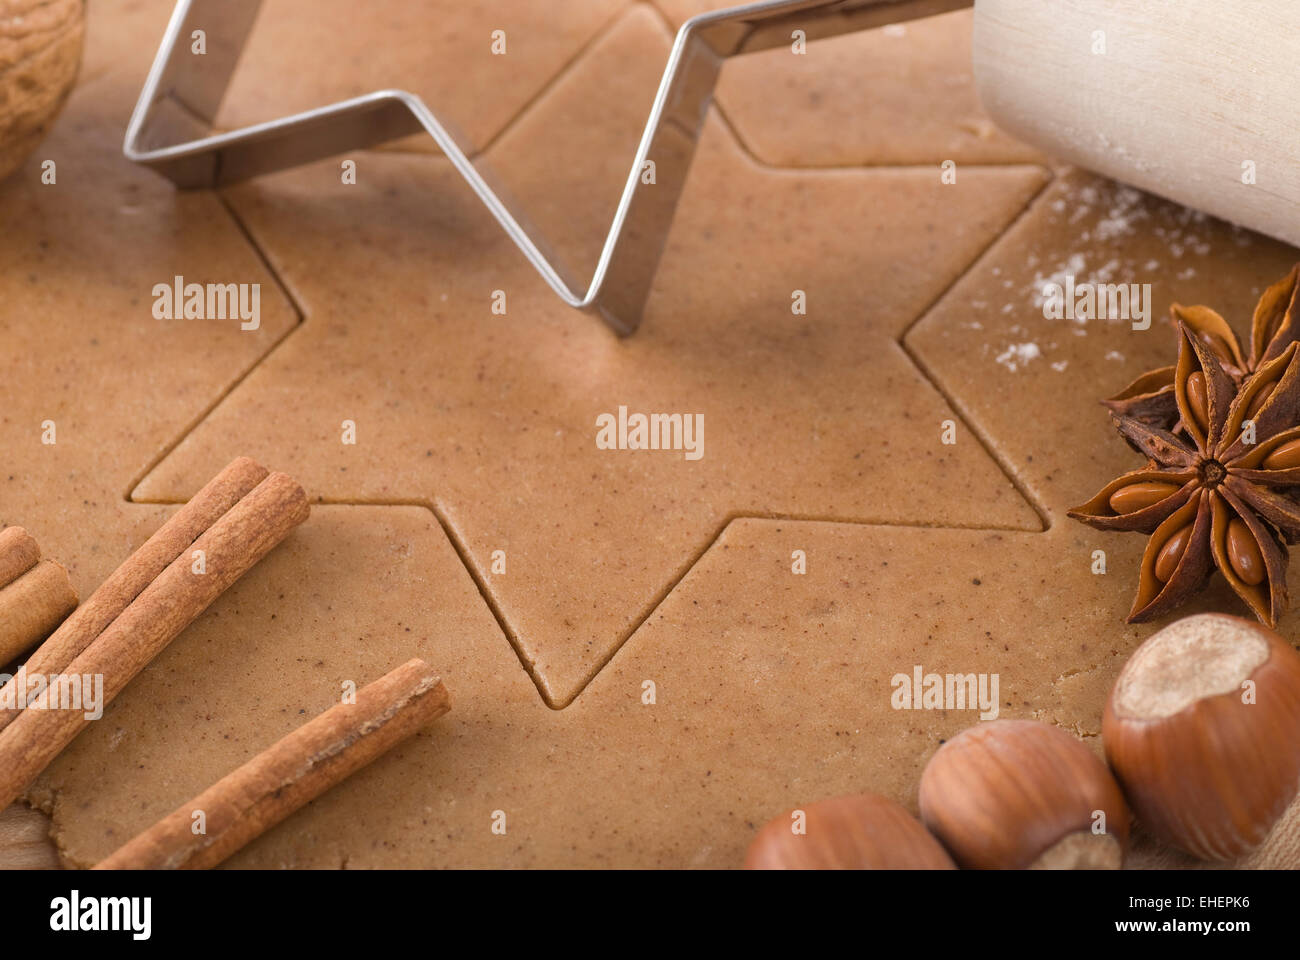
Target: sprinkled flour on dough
column 1018, row 355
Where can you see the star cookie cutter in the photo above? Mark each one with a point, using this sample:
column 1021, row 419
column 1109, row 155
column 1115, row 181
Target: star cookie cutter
column 170, row 128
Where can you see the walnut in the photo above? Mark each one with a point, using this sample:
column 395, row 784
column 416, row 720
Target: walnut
column 40, row 51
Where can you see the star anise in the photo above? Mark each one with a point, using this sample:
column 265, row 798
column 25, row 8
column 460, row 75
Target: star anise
column 1150, row 398
column 1218, row 489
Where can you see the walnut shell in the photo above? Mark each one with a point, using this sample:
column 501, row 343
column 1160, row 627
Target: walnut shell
column 40, row 51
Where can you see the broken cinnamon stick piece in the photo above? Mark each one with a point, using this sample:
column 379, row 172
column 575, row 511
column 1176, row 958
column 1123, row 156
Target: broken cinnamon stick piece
column 32, row 606
column 125, row 584
column 294, row 771
column 18, row 554
column 169, row 604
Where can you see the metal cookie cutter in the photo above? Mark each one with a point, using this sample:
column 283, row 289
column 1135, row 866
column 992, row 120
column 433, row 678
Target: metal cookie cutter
column 172, row 122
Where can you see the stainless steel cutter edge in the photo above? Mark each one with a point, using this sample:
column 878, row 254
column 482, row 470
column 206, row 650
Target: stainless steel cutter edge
column 170, row 128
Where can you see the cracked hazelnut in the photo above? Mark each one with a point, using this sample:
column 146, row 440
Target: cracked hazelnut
column 860, row 832
column 1203, row 731
column 1017, row 794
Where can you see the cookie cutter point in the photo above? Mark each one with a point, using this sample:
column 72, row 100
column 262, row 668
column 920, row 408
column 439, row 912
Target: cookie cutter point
column 170, row 130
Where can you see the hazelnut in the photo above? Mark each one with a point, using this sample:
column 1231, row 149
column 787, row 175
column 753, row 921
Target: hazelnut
column 1203, row 731
column 40, row 52
column 1015, row 794
column 860, row 832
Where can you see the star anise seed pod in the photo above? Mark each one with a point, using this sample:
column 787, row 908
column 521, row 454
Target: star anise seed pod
column 1217, row 493
column 1274, row 327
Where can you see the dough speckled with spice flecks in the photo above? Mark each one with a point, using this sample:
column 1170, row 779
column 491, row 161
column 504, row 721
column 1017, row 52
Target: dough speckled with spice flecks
column 1033, row 384
column 989, row 342
column 770, row 687
column 353, row 593
column 572, row 152
column 493, row 417
column 304, row 54
column 83, row 360
column 902, row 94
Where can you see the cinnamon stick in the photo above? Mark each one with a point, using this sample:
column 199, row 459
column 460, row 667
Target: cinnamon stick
column 104, row 605
column 32, row 606
column 291, row 773
column 18, row 554
column 164, row 608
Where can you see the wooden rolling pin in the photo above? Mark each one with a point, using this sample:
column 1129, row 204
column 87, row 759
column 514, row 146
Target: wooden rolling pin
column 1194, row 100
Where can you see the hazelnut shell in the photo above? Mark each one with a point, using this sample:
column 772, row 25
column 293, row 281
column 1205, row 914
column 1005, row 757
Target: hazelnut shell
column 40, row 53
column 1204, row 770
column 859, row 832
column 1015, row 794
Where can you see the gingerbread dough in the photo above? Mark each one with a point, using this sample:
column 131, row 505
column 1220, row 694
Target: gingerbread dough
column 704, row 684
column 487, row 417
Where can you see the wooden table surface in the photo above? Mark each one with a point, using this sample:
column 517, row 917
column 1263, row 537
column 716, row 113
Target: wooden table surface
column 24, row 840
